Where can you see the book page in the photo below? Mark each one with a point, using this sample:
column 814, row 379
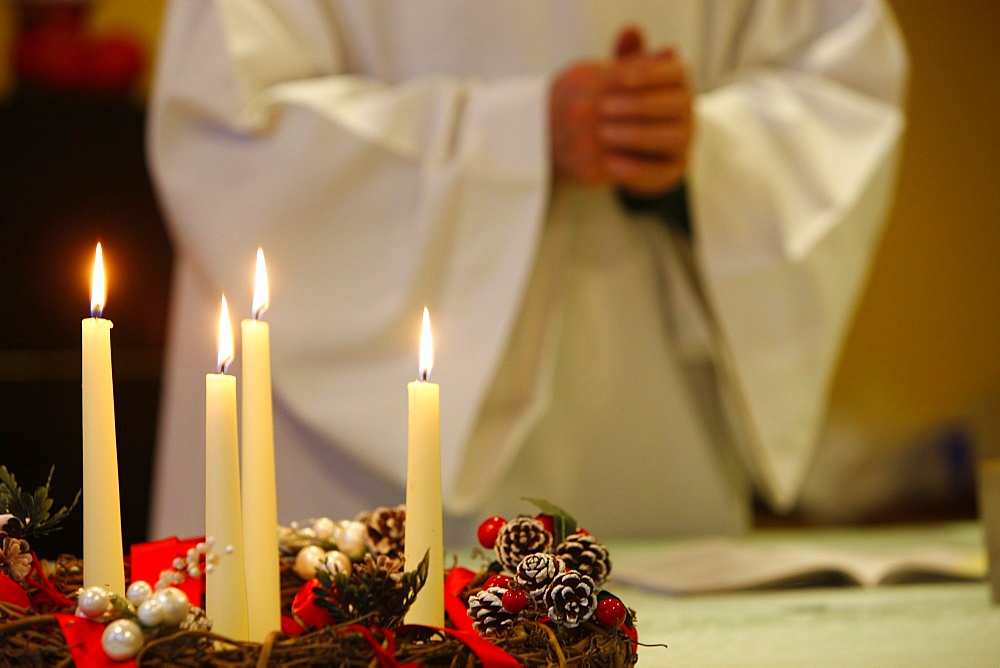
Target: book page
column 725, row 564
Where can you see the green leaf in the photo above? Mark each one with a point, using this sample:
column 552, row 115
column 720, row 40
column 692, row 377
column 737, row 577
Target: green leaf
column 32, row 511
column 563, row 521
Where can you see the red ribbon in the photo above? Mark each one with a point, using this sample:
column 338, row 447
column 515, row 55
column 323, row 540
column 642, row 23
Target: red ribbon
column 152, row 558
column 384, row 654
column 305, row 612
column 83, row 637
column 47, row 596
column 488, row 654
column 454, row 583
column 11, row 592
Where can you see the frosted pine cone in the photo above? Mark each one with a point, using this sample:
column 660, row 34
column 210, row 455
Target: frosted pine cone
column 571, row 598
column 519, row 538
column 536, row 572
column 487, row 613
column 386, row 531
column 584, row 553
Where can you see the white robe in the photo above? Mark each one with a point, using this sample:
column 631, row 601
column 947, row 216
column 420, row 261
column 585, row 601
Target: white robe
column 391, row 155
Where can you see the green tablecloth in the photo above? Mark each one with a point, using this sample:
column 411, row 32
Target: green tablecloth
column 938, row 624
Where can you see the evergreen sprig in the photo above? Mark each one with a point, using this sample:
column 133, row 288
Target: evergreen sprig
column 32, row 512
column 374, row 590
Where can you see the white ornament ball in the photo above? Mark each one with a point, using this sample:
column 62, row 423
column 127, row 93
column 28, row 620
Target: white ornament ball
column 122, row 639
column 349, row 537
column 174, row 603
column 138, row 591
column 150, row 612
column 323, row 527
column 93, row 602
column 309, row 558
column 337, row 562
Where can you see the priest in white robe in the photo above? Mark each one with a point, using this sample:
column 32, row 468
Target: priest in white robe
column 644, row 373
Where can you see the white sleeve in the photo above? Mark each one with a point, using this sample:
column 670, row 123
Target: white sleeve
column 370, row 200
column 791, row 176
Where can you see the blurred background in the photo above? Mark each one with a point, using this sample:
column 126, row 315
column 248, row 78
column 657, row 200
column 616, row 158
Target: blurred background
column 915, row 403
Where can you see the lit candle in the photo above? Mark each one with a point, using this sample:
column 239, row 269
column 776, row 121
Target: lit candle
column 225, row 585
column 260, row 507
column 424, row 532
column 102, row 523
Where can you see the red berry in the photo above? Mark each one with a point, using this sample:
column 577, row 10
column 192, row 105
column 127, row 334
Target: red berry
column 548, row 522
column 514, row 600
column 498, row 580
column 610, row 612
column 488, row 531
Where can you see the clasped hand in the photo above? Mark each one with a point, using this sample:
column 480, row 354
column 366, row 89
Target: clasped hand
column 626, row 122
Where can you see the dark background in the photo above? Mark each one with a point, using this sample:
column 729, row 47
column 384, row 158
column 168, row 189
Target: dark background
column 74, row 175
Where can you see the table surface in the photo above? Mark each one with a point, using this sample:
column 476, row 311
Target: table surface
column 929, row 624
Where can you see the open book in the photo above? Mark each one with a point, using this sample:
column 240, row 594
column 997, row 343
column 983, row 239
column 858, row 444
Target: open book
column 713, row 565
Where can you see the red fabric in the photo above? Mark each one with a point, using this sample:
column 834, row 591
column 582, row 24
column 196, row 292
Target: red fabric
column 385, row 654
column 83, row 637
column 290, row 627
column 454, row 583
column 46, row 597
column 304, row 609
column 152, row 558
column 488, row 654
column 11, row 592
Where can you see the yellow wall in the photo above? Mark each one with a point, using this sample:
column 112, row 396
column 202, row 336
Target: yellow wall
column 924, row 348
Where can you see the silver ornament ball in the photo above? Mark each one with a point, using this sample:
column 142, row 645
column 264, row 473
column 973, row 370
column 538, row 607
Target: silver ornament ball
column 138, row 591
column 309, row 558
column 349, row 536
column 175, row 605
column 122, row 639
column 93, row 602
column 337, row 562
column 323, row 528
column 150, row 613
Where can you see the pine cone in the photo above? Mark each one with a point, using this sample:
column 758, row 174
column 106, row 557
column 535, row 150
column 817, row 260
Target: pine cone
column 536, row 572
column 15, row 557
column 571, row 598
column 584, row 553
column 387, row 531
column 519, row 538
column 487, row 613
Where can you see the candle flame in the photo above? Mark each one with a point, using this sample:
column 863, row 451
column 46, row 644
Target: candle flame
column 225, row 338
column 98, row 289
column 261, row 294
column 426, row 347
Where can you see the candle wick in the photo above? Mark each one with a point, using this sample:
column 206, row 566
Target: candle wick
column 96, row 311
column 424, row 375
column 259, row 312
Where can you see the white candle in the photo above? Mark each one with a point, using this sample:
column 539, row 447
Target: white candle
column 102, row 523
column 225, row 586
column 424, row 533
column 260, row 506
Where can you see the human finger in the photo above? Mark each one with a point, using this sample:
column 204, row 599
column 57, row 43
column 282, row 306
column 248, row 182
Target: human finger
column 648, row 72
column 630, row 42
column 654, row 139
column 668, row 103
column 576, row 151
